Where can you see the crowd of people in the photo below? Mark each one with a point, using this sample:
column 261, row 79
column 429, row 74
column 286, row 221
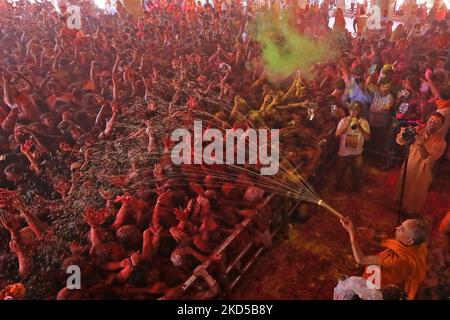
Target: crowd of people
column 86, row 176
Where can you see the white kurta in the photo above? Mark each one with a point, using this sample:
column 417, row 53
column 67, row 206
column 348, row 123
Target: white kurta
column 418, row 174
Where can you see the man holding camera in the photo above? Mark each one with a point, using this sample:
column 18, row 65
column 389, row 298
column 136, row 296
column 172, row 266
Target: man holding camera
column 353, row 131
column 426, row 146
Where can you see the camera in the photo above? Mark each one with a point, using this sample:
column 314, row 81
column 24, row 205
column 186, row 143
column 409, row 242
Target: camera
column 409, row 135
column 354, row 124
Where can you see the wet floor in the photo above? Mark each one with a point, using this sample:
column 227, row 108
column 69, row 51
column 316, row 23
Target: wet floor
column 306, row 260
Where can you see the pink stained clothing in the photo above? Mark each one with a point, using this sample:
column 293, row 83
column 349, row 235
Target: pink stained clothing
column 418, row 173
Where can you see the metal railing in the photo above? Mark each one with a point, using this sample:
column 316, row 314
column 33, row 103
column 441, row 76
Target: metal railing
column 238, row 265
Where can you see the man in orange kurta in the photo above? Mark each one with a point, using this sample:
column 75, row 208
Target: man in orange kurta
column 428, row 146
column 404, row 261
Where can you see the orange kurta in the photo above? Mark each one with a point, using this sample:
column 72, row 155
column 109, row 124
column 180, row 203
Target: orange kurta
column 419, row 174
column 403, row 266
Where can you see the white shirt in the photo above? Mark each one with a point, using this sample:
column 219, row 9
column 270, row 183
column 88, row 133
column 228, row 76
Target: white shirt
column 352, row 141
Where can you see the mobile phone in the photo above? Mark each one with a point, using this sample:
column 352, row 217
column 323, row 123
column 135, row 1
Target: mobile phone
column 372, row 69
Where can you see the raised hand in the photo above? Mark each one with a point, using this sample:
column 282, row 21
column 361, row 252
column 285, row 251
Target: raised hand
column 158, row 171
column 177, row 234
column 428, row 74
column 25, row 148
column 182, row 215
column 192, row 102
column 18, row 204
column 156, row 230
column 347, row 223
column 126, row 198
column 106, row 194
column 9, row 221
column 148, row 82
column 167, row 143
column 95, row 218
column 100, row 99
column 16, row 247
column 6, row 197
column 6, row 76
column 115, row 106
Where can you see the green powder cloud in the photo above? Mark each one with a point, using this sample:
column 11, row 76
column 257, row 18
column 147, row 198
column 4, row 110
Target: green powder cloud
column 284, row 49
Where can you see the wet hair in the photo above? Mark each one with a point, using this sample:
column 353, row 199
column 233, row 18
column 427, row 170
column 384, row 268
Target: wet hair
column 109, row 251
column 129, row 236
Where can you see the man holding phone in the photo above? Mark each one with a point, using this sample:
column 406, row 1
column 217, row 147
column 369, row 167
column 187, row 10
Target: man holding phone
column 355, row 89
column 353, row 131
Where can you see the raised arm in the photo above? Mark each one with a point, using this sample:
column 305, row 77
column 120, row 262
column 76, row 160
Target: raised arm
column 93, row 74
column 433, row 88
column 7, row 90
column 38, row 227
column 55, row 66
column 345, row 72
column 115, row 77
column 33, row 162
column 360, row 257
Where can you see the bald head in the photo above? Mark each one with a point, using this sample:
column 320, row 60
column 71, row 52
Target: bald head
column 411, row 232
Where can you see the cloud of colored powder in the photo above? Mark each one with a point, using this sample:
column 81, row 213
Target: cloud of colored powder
column 285, row 50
